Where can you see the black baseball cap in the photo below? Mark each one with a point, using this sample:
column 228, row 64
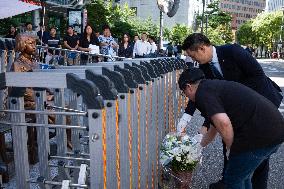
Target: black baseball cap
column 190, row 76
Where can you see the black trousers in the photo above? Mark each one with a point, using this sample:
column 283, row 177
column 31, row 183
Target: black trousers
column 260, row 175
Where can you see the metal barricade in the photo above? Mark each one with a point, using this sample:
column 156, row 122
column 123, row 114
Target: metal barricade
column 60, row 56
column 119, row 112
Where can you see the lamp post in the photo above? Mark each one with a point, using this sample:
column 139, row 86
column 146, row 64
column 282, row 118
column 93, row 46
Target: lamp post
column 281, row 27
column 281, row 32
column 161, row 29
column 202, row 22
column 206, row 26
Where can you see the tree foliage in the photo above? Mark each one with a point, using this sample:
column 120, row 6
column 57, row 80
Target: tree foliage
column 177, row 34
column 264, row 30
column 219, row 29
column 167, row 33
column 97, row 14
column 120, row 18
column 216, row 16
column 220, row 35
column 15, row 21
column 245, row 35
column 267, row 27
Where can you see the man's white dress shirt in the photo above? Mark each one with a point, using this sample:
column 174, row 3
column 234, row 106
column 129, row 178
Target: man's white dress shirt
column 141, row 48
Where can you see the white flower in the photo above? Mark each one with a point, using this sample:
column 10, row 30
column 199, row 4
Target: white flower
column 178, row 158
column 164, row 159
column 168, row 145
column 185, row 138
column 173, row 148
column 176, row 151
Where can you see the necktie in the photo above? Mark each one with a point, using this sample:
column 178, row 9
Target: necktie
column 215, row 71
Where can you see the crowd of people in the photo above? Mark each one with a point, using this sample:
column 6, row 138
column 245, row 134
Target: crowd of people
column 93, row 41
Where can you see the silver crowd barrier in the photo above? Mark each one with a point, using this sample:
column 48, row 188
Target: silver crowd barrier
column 7, row 57
column 60, row 56
column 119, row 113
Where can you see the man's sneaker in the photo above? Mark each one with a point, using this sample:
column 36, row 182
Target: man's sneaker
column 217, row 185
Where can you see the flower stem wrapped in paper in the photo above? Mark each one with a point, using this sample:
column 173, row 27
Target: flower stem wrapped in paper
column 179, row 156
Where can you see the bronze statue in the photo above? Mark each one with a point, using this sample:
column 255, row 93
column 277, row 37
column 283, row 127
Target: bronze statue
column 26, row 45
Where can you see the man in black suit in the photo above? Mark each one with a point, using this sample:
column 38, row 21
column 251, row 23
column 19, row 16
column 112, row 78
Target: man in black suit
column 233, row 63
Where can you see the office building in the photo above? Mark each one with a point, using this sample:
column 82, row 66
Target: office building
column 274, row 5
column 242, row 10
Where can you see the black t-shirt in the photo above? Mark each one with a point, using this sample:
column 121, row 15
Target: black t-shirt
column 71, row 40
column 85, row 43
column 44, row 36
column 11, row 36
column 125, row 52
column 256, row 122
column 53, row 42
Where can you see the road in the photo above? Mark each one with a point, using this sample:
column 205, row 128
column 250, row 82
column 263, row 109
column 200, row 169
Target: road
column 211, row 167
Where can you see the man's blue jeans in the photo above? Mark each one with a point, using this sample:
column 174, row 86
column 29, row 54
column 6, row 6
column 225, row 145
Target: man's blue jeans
column 241, row 166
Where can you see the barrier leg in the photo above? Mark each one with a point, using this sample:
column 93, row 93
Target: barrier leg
column 3, row 60
column 61, row 138
column 166, row 104
column 76, row 146
column 111, row 144
column 97, row 145
column 42, row 136
column 125, row 138
column 175, row 96
column 142, row 133
column 20, row 144
column 10, row 60
column 151, row 134
column 134, row 124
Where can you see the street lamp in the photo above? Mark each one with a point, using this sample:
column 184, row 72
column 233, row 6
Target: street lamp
column 206, row 26
column 280, row 44
column 202, row 23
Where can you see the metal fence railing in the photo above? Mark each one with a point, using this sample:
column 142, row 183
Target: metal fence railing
column 118, row 113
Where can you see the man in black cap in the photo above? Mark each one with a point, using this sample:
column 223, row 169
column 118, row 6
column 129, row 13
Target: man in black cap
column 233, row 63
column 250, row 125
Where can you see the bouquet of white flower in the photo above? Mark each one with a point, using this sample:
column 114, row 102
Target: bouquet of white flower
column 179, row 156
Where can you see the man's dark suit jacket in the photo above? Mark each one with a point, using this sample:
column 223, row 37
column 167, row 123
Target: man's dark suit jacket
column 239, row 66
